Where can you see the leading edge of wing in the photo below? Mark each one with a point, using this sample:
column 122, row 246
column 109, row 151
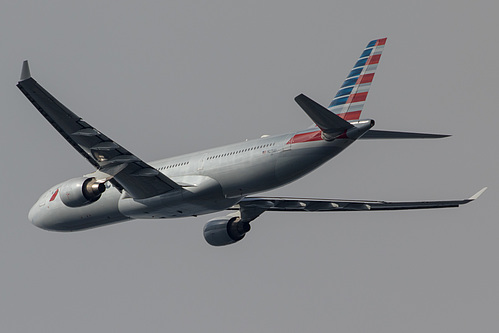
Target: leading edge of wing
column 318, row 205
column 138, row 178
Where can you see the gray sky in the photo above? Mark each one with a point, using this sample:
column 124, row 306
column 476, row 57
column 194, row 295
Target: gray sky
column 165, row 78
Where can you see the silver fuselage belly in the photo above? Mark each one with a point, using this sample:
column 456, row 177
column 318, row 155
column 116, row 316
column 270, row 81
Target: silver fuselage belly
column 213, row 180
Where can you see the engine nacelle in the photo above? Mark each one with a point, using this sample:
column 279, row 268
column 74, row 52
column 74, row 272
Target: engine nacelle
column 79, row 192
column 225, row 230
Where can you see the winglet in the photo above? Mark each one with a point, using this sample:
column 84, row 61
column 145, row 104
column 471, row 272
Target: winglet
column 477, row 194
column 25, row 74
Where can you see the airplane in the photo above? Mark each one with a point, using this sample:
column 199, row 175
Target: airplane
column 124, row 187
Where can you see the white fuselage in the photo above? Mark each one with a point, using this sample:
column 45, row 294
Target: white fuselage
column 212, row 180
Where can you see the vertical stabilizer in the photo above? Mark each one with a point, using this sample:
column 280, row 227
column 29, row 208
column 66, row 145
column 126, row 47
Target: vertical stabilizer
column 350, row 99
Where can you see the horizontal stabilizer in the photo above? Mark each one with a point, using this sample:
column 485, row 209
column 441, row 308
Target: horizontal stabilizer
column 326, row 120
column 379, row 134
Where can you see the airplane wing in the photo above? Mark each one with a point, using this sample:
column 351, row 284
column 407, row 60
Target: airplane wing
column 284, row 204
column 114, row 162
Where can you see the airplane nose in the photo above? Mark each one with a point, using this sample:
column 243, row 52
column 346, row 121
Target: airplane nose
column 31, row 215
column 37, row 218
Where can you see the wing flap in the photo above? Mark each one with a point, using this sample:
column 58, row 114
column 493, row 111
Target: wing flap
column 138, row 178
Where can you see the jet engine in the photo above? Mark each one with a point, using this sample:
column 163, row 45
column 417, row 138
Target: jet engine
column 79, row 192
column 225, row 230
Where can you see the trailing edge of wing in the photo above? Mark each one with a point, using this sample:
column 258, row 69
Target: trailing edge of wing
column 138, row 178
column 380, row 134
column 324, row 205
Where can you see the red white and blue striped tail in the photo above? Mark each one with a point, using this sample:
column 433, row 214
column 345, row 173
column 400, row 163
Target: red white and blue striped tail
column 350, row 99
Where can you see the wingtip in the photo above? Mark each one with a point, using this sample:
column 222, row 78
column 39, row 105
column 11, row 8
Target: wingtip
column 300, row 97
column 25, row 73
column 477, row 194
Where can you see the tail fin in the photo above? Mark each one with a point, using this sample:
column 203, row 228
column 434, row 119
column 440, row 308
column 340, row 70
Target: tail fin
column 349, row 101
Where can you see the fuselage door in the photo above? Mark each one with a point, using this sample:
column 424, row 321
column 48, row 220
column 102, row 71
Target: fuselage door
column 201, row 162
